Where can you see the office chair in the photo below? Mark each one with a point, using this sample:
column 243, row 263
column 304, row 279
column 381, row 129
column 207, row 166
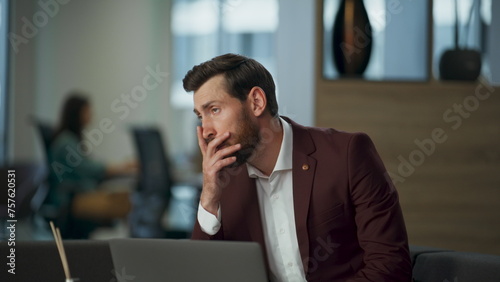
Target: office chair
column 59, row 213
column 45, row 131
column 154, row 190
column 47, row 211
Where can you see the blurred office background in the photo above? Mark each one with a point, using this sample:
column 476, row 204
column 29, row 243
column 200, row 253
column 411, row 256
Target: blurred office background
column 450, row 197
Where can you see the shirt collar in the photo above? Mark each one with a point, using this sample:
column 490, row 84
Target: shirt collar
column 284, row 161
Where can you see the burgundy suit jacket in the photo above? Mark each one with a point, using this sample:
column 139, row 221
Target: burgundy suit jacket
column 348, row 219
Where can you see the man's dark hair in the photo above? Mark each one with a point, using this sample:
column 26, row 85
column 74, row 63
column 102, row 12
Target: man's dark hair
column 241, row 74
column 71, row 114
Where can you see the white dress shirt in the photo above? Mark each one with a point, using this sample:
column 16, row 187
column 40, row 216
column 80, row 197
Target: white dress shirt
column 275, row 194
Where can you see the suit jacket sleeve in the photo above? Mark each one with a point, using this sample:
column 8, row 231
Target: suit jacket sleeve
column 380, row 226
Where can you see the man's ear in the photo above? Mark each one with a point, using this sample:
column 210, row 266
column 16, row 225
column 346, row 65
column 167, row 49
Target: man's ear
column 257, row 101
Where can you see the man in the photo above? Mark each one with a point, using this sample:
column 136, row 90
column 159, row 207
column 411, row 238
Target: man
column 317, row 200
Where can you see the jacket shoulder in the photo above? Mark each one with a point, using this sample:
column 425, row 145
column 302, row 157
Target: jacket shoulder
column 331, row 136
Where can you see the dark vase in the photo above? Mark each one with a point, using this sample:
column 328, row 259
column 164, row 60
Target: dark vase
column 460, row 64
column 352, row 39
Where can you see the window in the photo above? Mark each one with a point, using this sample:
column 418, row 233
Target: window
column 203, row 29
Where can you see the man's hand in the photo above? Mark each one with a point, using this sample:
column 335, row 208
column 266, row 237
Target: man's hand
column 214, row 160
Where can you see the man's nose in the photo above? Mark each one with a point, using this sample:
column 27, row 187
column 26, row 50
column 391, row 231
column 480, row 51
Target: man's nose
column 208, row 130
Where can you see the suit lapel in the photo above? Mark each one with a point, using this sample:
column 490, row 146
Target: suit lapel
column 304, row 167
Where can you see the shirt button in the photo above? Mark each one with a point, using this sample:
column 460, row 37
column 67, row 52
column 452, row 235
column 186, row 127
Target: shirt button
column 290, row 264
column 275, row 197
column 282, row 231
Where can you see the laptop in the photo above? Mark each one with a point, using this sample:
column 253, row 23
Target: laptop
column 151, row 260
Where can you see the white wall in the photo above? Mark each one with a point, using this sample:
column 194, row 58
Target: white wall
column 295, row 60
column 103, row 48
column 400, row 19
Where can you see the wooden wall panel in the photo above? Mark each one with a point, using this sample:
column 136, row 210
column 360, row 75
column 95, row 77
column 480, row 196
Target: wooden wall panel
column 452, row 198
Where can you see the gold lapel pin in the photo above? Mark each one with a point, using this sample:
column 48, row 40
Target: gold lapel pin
column 305, row 167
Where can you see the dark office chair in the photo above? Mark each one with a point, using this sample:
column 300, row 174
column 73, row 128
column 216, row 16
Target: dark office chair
column 45, row 131
column 154, row 190
column 59, row 214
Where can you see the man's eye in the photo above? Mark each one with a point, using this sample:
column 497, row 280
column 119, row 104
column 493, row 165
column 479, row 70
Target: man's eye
column 215, row 110
column 199, row 117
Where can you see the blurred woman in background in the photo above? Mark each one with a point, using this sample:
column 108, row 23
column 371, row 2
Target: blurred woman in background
column 75, row 178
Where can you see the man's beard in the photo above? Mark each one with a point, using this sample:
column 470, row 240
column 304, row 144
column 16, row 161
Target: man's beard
column 247, row 135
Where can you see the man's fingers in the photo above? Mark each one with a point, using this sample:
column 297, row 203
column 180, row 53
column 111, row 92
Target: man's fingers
column 227, row 151
column 217, row 141
column 213, row 158
column 222, row 154
column 223, row 163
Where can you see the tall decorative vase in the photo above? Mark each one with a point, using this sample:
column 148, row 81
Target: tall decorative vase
column 352, row 39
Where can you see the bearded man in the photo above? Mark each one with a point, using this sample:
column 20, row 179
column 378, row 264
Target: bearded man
column 317, row 200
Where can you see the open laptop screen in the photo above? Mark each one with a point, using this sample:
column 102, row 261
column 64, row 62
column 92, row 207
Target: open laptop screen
column 184, row 260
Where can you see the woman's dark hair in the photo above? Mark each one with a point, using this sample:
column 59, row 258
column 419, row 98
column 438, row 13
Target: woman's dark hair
column 70, row 119
column 241, row 74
